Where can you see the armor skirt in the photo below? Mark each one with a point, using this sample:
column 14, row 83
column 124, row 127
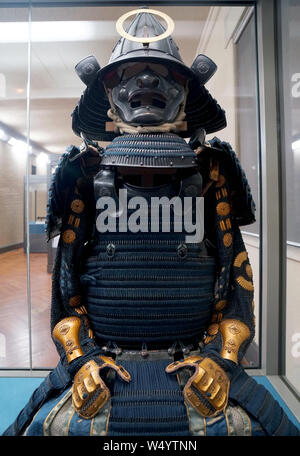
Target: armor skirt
column 151, row 404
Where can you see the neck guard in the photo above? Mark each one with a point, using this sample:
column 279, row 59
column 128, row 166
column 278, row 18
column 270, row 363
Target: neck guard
column 161, row 150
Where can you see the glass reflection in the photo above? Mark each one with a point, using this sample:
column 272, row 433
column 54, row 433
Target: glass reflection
column 229, row 39
column 55, row 90
column 14, row 335
column 290, row 21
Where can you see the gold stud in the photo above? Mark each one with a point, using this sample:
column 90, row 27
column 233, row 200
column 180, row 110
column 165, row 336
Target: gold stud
column 223, row 208
column 227, row 239
column 77, row 206
column 69, row 236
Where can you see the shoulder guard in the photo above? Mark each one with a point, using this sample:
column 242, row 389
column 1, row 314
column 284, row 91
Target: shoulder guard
column 242, row 204
column 63, row 181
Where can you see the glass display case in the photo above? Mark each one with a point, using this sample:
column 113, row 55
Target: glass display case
column 40, row 46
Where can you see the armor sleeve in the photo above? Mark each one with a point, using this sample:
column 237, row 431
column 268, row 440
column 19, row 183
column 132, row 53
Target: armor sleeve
column 232, row 325
column 241, row 202
column 71, row 213
column 73, row 170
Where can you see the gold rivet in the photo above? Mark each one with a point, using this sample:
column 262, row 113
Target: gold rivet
column 69, row 236
column 223, row 208
column 227, row 239
column 77, row 206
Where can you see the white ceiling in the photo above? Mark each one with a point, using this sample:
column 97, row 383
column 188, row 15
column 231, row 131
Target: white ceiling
column 61, row 37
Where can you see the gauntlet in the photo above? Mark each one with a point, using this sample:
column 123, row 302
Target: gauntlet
column 90, row 392
column 234, row 333
column 207, row 390
column 67, row 333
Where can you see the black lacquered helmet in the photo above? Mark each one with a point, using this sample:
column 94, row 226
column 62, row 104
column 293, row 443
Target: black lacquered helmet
column 202, row 110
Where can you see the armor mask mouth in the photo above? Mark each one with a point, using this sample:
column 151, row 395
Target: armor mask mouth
column 147, row 94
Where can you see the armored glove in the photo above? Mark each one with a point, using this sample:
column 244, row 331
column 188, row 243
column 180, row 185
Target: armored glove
column 90, row 392
column 207, row 390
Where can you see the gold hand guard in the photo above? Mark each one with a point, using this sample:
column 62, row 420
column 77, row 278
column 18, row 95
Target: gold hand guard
column 90, row 393
column 89, row 390
column 67, row 333
column 207, row 390
column 234, row 333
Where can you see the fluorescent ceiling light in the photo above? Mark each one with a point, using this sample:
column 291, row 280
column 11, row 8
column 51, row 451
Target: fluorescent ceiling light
column 42, row 159
column 296, row 145
column 18, row 145
column 12, row 141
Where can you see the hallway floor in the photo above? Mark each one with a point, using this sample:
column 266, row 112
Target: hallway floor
column 14, row 339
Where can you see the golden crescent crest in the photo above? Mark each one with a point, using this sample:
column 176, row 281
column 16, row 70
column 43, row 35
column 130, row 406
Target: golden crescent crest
column 151, row 39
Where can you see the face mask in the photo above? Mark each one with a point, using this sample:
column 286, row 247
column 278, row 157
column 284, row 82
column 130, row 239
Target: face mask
column 146, row 94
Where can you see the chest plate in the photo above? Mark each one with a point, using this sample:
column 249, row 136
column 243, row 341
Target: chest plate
column 145, row 286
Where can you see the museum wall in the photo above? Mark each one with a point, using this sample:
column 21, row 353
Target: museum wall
column 12, row 172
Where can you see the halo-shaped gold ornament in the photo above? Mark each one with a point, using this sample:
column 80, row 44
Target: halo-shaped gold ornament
column 150, row 39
